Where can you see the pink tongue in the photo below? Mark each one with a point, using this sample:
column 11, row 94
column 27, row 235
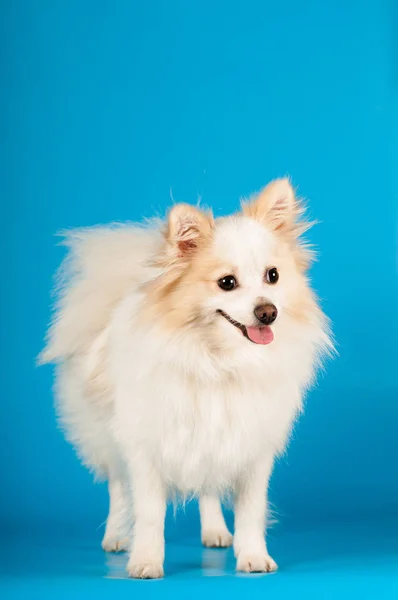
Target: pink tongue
column 260, row 335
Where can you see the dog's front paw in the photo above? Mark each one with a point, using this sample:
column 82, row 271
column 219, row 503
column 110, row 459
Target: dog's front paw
column 256, row 563
column 217, row 538
column 112, row 543
column 145, row 569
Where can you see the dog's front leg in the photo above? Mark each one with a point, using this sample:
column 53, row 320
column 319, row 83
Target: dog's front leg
column 149, row 508
column 250, row 519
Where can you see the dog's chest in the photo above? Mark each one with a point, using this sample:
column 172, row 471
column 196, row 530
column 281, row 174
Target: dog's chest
column 211, row 433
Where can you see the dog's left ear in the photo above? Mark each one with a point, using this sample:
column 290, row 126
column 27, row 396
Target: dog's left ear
column 275, row 205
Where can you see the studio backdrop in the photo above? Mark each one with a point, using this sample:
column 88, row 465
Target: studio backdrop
column 110, row 110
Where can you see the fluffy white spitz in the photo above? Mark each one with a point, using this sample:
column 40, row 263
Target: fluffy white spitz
column 183, row 351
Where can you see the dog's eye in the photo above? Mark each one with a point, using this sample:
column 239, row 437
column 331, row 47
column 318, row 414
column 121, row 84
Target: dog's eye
column 272, row 275
column 227, row 283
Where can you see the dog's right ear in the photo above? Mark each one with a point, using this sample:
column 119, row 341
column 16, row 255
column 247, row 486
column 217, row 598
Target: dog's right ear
column 188, row 228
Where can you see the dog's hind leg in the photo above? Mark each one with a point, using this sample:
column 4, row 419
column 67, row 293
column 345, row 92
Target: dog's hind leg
column 118, row 524
column 213, row 527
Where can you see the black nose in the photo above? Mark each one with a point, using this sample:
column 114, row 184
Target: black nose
column 266, row 313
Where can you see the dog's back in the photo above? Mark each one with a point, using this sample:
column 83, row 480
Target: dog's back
column 102, row 264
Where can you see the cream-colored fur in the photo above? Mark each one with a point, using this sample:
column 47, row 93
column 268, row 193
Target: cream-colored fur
column 159, row 393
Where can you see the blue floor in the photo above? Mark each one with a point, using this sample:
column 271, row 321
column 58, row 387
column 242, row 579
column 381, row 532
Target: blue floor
column 335, row 561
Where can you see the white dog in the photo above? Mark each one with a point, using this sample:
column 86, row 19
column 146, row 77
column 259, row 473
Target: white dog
column 184, row 350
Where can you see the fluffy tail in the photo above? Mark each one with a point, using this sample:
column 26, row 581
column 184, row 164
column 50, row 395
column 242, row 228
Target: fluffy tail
column 101, row 264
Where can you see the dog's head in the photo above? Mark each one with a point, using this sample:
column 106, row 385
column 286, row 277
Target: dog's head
column 238, row 278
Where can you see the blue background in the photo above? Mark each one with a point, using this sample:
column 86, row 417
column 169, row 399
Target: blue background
column 104, row 108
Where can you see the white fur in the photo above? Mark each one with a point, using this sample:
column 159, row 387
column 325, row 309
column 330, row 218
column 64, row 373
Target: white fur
column 155, row 411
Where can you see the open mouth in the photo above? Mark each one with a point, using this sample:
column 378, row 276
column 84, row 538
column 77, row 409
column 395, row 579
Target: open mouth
column 258, row 335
